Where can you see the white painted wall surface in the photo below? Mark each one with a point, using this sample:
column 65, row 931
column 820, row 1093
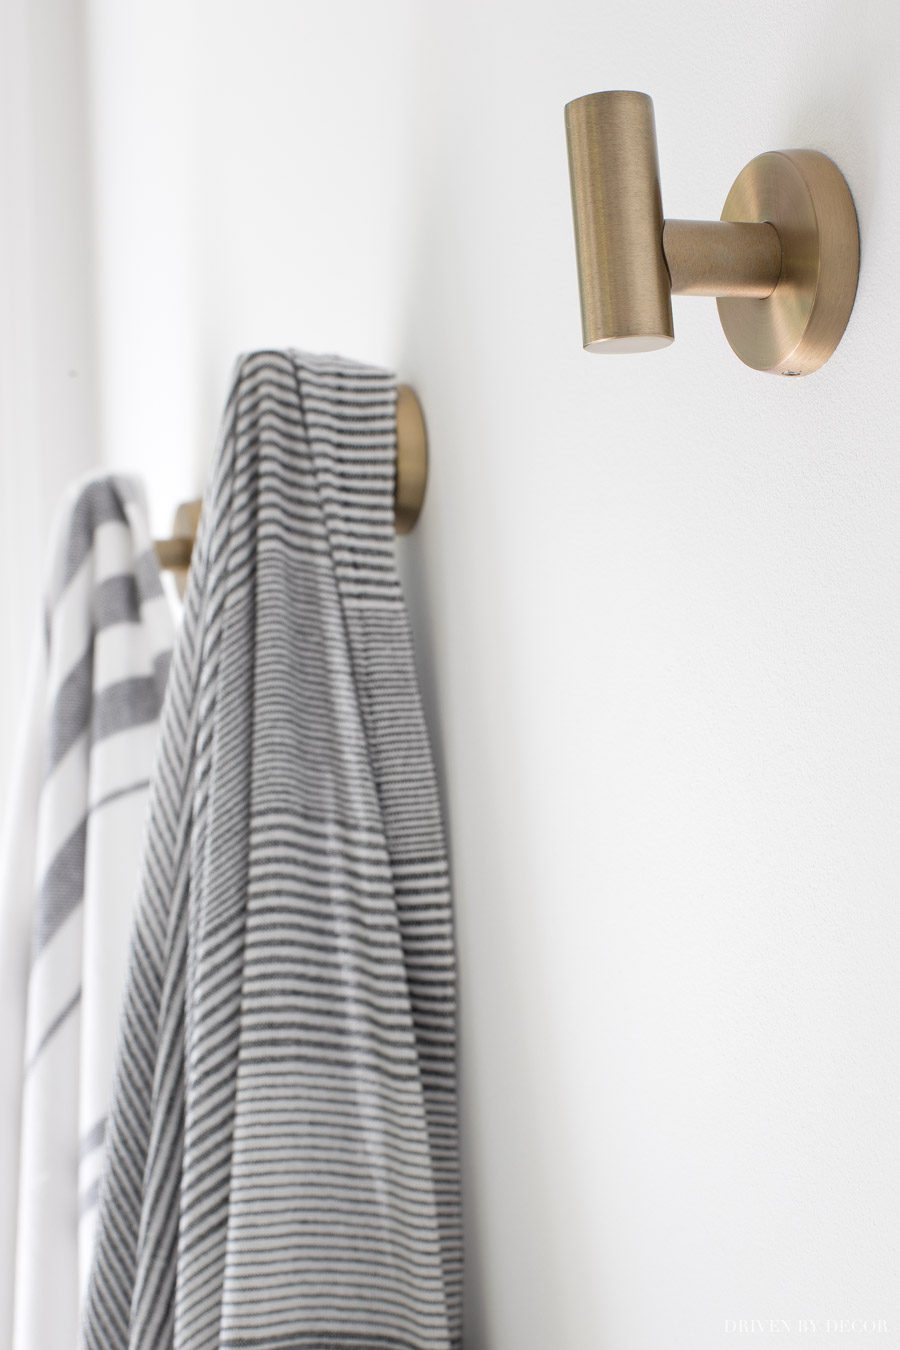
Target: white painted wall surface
column 48, row 395
column 656, row 602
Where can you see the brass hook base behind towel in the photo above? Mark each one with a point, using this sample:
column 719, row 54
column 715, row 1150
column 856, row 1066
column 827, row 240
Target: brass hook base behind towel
column 412, row 460
column 174, row 555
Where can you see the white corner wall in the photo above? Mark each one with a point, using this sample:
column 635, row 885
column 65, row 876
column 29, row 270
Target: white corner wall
column 48, row 394
column 656, row 602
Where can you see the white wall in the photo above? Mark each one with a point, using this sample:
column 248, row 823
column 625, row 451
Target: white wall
column 253, row 190
column 48, row 397
column 655, row 601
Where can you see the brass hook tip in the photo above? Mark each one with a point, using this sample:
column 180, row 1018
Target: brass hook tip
column 627, row 346
column 617, row 212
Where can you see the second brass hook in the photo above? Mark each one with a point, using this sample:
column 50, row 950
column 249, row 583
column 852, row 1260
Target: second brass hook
column 783, row 262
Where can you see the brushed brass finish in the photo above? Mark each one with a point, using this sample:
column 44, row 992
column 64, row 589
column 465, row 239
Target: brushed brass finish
column 174, row 555
column 617, row 210
column 718, row 258
column 783, row 262
column 412, row 460
column 805, row 196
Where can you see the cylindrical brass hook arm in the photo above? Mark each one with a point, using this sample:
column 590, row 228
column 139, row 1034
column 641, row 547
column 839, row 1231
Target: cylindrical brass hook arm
column 722, row 258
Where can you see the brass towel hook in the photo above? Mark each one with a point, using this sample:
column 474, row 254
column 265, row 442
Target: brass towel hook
column 783, row 262
column 174, row 555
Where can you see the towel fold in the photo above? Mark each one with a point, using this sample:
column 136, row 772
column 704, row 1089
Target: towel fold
column 282, row 1154
column 70, row 858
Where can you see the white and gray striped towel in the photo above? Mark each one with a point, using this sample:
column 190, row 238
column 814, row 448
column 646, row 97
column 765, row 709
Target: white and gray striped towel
column 70, row 861
column 282, row 1153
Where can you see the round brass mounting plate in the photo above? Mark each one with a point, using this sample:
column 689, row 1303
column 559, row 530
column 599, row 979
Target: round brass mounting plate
column 412, row 460
column 805, row 196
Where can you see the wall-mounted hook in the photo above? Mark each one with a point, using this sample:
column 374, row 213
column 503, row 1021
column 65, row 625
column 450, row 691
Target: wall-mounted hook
column 174, row 554
column 783, row 261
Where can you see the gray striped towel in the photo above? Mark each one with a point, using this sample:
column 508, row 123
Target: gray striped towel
column 70, row 862
column 282, row 1166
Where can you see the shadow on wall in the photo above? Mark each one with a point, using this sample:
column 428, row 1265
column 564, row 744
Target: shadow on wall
column 845, row 121
column 454, row 574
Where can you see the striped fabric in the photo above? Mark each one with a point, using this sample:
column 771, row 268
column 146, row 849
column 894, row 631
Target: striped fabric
column 70, row 871
column 282, row 1165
